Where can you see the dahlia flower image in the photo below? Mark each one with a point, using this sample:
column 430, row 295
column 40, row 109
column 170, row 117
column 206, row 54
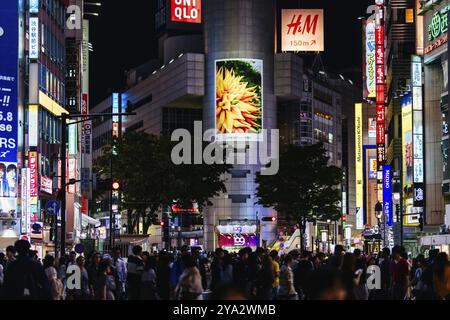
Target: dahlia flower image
column 238, row 104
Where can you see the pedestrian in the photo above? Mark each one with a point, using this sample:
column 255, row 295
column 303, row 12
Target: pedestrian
column 226, row 276
column 135, row 268
column 441, row 277
column 302, row 273
column 189, row 286
column 10, row 256
column 216, row 268
column 335, row 262
column 2, row 268
column 120, row 273
column 163, row 276
column 177, row 267
column 428, row 275
column 25, row 278
column 241, row 271
column 399, row 275
column 264, row 279
column 201, row 263
column 56, row 285
column 384, row 263
column 148, row 285
column 351, row 277
column 417, row 282
column 287, row 290
column 93, row 273
column 276, row 273
column 82, row 293
column 325, row 284
column 104, row 285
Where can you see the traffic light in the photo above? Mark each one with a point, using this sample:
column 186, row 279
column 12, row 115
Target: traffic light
column 269, row 219
column 115, row 185
column 421, row 222
column 161, row 223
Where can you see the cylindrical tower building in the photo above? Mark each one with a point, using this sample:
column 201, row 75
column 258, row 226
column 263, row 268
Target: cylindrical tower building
column 239, row 33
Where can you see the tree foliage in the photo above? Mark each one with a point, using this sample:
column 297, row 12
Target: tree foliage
column 305, row 188
column 149, row 180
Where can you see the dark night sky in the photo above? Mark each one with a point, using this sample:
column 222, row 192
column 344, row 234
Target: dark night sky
column 123, row 38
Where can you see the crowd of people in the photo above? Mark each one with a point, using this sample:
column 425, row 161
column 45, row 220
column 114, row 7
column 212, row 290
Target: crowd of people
column 248, row 274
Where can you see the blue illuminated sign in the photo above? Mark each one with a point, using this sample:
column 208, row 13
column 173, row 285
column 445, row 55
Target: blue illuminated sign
column 387, row 193
column 9, row 48
column 34, row 6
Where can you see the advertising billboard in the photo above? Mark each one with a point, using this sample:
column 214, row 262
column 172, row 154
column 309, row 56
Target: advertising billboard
column 302, row 30
column 407, row 140
column 239, row 98
column 369, row 57
column 189, row 11
column 236, row 242
column 372, row 131
column 359, row 176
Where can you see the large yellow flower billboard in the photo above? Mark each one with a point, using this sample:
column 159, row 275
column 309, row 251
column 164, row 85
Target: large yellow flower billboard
column 239, row 97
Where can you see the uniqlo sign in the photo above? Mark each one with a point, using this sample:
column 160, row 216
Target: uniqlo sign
column 189, row 11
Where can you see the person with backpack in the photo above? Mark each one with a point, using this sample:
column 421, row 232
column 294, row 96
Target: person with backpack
column 25, row 278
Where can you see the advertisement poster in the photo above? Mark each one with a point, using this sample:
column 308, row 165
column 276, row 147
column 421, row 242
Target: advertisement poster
column 302, row 30
column 239, row 103
column 407, row 140
column 236, row 242
column 370, row 66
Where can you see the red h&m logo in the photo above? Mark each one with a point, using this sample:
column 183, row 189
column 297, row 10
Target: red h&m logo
column 302, row 26
column 189, row 11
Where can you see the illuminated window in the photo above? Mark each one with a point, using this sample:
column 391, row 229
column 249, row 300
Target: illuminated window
column 409, row 15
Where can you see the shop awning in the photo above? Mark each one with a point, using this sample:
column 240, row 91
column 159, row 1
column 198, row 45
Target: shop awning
column 86, row 220
column 435, row 240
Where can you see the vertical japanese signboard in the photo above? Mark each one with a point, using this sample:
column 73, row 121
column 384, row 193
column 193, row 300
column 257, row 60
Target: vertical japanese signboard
column 33, row 184
column 33, row 38
column 380, row 86
column 9, row 56
column 387, row 194
column 417, row 129
column 302, row 30
column 359, row 167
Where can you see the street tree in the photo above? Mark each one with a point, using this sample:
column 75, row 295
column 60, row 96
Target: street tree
column 150, row 181
column 306, row 188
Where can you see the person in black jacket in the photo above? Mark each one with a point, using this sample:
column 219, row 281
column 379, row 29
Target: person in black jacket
column 25, row 278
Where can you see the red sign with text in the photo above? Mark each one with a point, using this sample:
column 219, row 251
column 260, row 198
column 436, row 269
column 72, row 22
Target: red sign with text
column 189, row 11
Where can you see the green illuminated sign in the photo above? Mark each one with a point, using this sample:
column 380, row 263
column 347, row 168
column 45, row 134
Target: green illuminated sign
column 439, row 24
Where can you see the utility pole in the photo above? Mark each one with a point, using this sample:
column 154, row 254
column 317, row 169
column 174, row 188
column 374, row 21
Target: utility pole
column 63, row 186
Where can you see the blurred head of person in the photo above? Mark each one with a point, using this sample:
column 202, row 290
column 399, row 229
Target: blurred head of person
column 96, row 258
column 348, row 262
column 49, row 261
column 339, row 250
column 116, row 253
column 104, row 267
column 288, row 259
column 145, row 255
column 137, row 250
column 357, row 253
column 397, row 252
column 228, row 292
column 22, row 247
column 188, row 261
column 243, row 255
column 150, row 263
column 274, row 255
column 386, row 253
column 72, row 256
column 219, row 253
column 80, row 262
column 10, row 252
column 326, row 285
